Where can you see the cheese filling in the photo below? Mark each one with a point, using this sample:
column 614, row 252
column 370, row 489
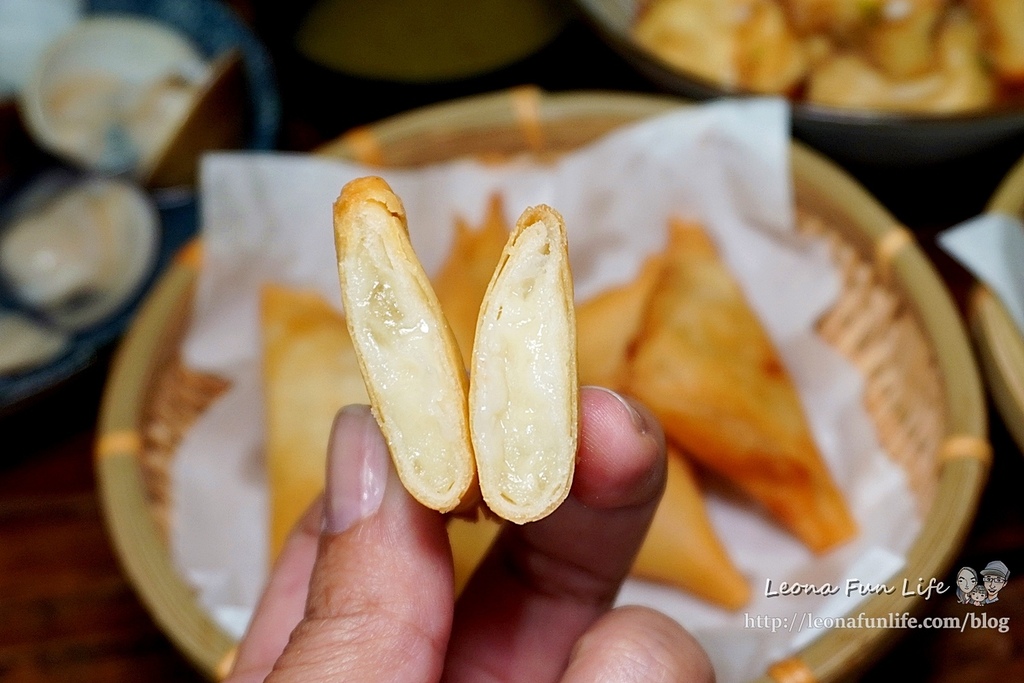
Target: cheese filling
column 520, row 377
column 401, row 341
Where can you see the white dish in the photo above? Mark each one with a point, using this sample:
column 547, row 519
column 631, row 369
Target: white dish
column 110, row 92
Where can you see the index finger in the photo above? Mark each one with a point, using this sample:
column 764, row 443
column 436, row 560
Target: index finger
column 543, row 584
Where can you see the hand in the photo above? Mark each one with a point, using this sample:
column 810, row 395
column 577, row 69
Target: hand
column 363, row 588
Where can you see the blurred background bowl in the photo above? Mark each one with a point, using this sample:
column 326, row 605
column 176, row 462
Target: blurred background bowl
column 109, row 93
column 886, row 139
column 77, row 278
column 127, row 83
column 213, row 30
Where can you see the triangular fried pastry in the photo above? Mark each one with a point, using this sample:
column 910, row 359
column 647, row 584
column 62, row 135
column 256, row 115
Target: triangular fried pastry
column 523, row 396
column 463, row 279
column 708, row 370
column 607, row 324
column 309, row 372
column 407, row 353
column 470, row 540
column 682, row 548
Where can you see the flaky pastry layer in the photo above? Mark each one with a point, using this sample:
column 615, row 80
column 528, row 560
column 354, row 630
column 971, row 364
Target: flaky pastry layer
column 408, row 356
column 523, row 397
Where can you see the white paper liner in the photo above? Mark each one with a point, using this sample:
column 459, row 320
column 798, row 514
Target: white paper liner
column 267, row 217
column 991, row 246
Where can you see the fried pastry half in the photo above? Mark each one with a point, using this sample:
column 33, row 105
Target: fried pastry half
column 408, row 356
column 524, row 393
column 309, row 372
column 708, row 370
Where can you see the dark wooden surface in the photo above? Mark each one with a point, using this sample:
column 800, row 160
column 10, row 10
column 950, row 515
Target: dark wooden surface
column 67, row 612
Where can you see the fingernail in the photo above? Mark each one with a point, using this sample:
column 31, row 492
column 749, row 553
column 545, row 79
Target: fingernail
column 639, row 423
column 358, row 463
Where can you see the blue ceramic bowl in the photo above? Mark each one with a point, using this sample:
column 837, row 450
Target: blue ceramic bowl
column 214, row 29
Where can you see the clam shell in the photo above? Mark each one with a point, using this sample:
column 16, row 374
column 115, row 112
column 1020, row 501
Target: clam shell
column 215, row 120
column 83, row 253
column 111, row 91
column 25, row 344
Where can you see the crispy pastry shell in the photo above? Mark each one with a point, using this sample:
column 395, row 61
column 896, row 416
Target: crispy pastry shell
column 408, row 356
column 708, row 370
column 309, row 371
column 524, row 393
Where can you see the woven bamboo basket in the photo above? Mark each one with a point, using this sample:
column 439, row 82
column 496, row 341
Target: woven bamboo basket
column 1000, row 343
column 894, row 320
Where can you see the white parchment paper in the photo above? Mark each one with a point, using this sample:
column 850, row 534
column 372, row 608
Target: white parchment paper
column 268, row 218
column 991, row 246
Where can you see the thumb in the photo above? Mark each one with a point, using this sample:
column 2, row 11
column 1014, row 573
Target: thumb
column 380, row 595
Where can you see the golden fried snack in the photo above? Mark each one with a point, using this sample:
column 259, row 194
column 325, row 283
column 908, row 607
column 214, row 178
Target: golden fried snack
column 523, row 395
column 470, row 540
column 920, row 56
column 969, row 84
column 697, row 36
column 407, row 353
column 1003, row 30
column 770, row 57
column 463, row 279
column 736, row 43
column 309, row 372
column 841, row 19
column 902, row 41
column 708, row 370
column 606, row 326
column 958, row 83
column 682, row 548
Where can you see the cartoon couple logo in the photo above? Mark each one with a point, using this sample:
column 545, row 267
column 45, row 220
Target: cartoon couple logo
column 972, row 590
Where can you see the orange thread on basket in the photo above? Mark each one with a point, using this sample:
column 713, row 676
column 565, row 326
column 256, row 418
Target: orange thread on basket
column 364, row 145
column 226, row 664
column 791, row 670
column 965, row 446
column 122, row 442
column 190, row 255
column 890, row 245
column 979, row 297
column 526, row 106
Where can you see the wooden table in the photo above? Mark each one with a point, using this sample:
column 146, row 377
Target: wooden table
column 67, row 612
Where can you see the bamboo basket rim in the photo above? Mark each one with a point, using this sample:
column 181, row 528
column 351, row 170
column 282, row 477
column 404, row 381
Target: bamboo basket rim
column 999, row 342
column 835, row 654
